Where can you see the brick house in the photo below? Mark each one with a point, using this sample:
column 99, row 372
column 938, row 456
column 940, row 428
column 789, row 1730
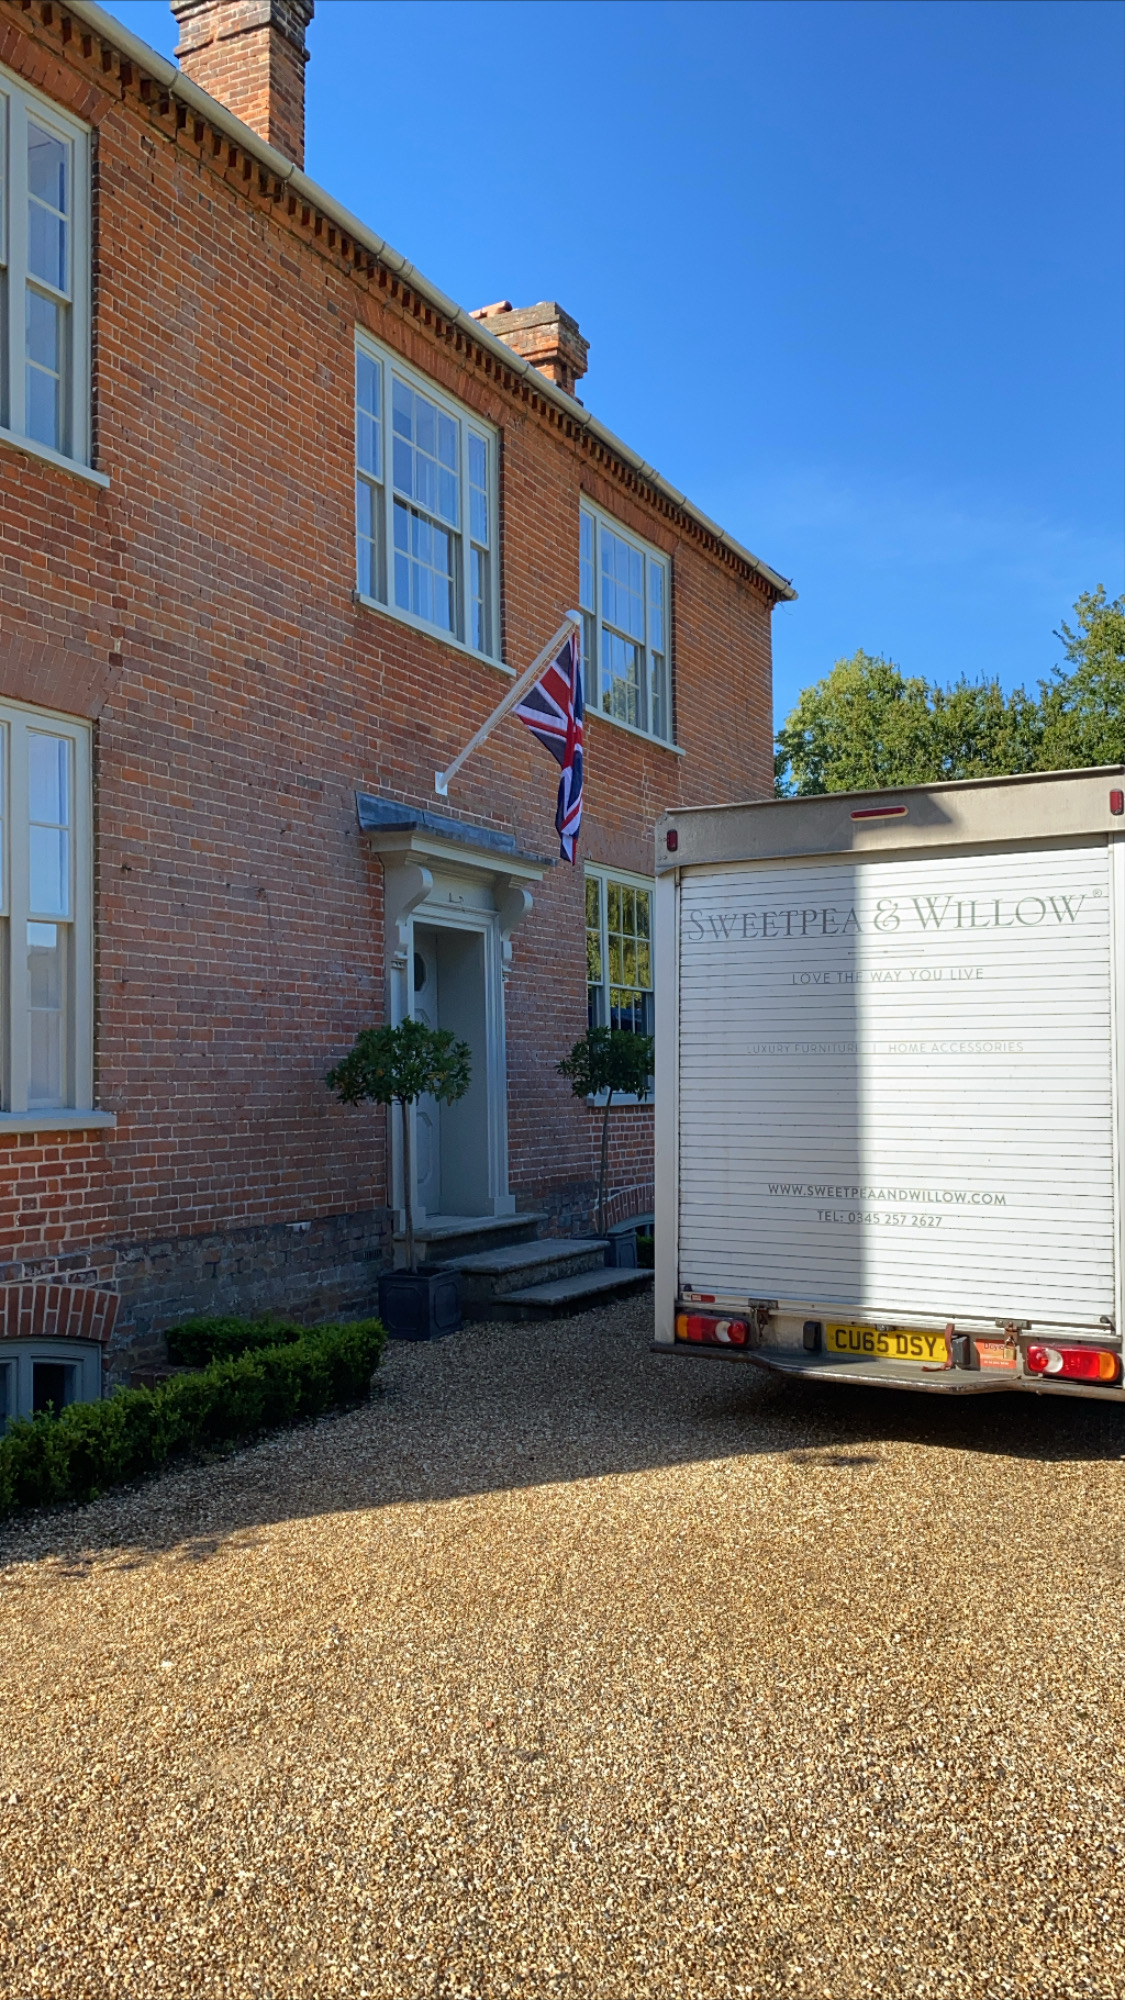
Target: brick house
column 279, row 522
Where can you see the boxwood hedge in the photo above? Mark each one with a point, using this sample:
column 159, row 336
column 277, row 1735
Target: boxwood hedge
column 91, row 1446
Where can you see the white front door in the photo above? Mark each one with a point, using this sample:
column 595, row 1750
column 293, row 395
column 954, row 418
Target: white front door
column 427, row 1111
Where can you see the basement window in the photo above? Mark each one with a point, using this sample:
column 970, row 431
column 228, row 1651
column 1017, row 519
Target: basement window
column 37, row 1376
column 426, row 504
column 44, row 274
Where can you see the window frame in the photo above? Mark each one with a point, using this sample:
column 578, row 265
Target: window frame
column 17, row 100
column 604, row 876
column 382, row 490
column 84, row 1356
column 593, row 619
column 17, row 721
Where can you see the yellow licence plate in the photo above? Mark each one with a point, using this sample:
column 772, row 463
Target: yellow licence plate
column 887, row 1343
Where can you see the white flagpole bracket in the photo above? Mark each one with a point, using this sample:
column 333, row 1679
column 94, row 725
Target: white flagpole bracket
column 571, row 623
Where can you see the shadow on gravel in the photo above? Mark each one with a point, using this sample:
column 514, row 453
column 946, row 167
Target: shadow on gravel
column 504, row 1408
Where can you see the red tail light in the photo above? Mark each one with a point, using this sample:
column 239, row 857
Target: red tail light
column 707, row 1332
column 1075, row 1364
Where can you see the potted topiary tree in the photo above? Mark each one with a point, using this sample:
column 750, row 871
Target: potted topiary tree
column 398, row 1066
column 614, row 1061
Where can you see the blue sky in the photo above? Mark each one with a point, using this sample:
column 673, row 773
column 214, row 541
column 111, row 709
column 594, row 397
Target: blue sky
column 852, row 272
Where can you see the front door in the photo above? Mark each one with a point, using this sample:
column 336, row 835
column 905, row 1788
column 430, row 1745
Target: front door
column 427, row 1111
column 452, row 1146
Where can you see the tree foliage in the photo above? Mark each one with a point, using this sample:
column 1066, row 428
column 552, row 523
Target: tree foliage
column 397, row 1066
column 613, row 1060
column 868, row 725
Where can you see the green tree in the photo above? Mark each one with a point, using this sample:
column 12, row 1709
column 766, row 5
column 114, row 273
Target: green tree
column 1084, row 710
column 868, row 725
column 397, row 1066
column 613, row 1060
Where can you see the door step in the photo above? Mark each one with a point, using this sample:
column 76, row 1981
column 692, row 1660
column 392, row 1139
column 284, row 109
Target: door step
column 492, row 1274
column 443, row 1239
column 562, row 1296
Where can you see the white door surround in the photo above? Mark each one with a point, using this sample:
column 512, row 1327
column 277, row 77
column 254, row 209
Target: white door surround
column 454, row 894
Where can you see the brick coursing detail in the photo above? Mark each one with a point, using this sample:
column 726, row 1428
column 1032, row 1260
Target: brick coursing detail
column 56, row 1312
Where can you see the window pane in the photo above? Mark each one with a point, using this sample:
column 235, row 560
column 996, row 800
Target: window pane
column 48, row 782
column 478, row 490
column 47, row 179
column 644, row 907
column 49, row 871
column 43, row 418
column 369, row 541
column 52, row 1385
column 586, row 562
column 7, row 1392
column 369, row 409
column 658, row 700
column 593, row 931
column 423, row 568
column 48, row 778
column 622, row 585
column 482, row 601
column 656, row 607
column 425, row 454
column 621, row 678
column 45, row 991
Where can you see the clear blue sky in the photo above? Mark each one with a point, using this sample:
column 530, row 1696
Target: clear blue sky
column 852, row 273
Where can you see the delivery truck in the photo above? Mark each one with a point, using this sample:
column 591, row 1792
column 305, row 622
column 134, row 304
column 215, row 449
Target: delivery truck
column 890, row 1043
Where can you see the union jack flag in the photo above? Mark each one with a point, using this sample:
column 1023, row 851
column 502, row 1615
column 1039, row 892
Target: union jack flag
column 553, row 713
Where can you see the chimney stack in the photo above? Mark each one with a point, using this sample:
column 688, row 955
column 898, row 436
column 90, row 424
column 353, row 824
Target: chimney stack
column 251, row 55
column 544, row 334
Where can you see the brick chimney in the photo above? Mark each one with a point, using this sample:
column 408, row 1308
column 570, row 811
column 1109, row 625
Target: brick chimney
column 544, row 334
column 251, row 55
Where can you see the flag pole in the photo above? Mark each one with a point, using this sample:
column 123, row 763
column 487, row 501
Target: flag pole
column 571, row 623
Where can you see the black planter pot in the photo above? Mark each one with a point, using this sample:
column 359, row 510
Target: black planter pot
column 422, row 1304
column 621, row 1251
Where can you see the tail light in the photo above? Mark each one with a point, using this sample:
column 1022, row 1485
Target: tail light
column 707, row 1332
column 1074, row 1364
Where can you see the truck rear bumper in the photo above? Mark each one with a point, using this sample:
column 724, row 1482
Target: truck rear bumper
column 868, row 1374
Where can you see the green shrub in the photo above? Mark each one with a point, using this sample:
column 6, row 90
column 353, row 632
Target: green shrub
column 646, row 1249
column 91, row 1446
column 195, row 1342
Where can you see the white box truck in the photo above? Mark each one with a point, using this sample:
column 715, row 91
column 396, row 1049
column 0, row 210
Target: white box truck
column 890, row 1044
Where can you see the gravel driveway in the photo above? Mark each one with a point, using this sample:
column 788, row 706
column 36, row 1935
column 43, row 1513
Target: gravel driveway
column 565, row 1670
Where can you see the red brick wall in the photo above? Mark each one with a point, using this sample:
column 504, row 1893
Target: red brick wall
column 201, row 610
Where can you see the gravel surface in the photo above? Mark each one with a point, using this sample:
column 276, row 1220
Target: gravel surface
column 565, row 1670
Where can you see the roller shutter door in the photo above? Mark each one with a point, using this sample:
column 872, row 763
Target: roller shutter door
column 895, row 1083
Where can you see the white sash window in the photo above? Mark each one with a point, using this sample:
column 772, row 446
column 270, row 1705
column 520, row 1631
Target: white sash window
column 44, row 275
column 426, row 513
column 46, row 1014
column 624, row 590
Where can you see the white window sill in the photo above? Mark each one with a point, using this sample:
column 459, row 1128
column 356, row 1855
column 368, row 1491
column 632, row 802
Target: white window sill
column 630, row 728
column 407, row 618
column 626, row 1097
column 55, row 1121
column 36, row 450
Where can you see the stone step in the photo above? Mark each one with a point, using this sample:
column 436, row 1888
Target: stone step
column 570, row 1295
column 442, row 1237
column 491, row 1274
